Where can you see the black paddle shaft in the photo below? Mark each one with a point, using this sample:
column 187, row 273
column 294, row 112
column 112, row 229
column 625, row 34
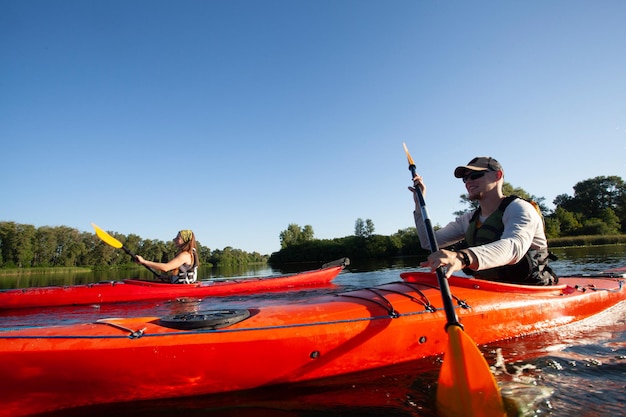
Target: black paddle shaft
column 134, row 257
column 451, row 317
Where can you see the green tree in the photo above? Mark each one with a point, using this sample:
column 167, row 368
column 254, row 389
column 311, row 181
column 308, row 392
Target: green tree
column 7, row 238
column 611, row 220
column 590, row 202
column 25, row 246
column 369, row 228
column 134, row 243
column 204, row 254
column 25, row 234
column 364, row 229
column 359, row 228
column 16, row 241
column 232, row 257
column 154, row 249
column 103, row 253
column 507, row 189
column 45, row 245
column 568, row 222
column 92, row 255
column 552, row 227
column 294, row 235
column 307, row 233
column 69, row 246
column 607, row 224
column 594, row 195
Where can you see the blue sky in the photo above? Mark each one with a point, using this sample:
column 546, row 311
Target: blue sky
column 236, row 118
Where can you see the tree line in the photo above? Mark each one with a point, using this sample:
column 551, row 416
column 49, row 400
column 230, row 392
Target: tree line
column 27, row 246
column 597, row 209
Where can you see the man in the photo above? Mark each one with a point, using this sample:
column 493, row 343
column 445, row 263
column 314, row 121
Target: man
column 503, row 240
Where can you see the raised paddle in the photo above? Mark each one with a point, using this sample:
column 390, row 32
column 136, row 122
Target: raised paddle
column 466, row 386
column 111, row 241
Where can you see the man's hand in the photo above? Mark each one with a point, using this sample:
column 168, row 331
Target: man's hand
column 450, row 262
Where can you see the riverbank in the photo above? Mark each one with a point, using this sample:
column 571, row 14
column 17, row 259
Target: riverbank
column 588, row 240
column 5, row 272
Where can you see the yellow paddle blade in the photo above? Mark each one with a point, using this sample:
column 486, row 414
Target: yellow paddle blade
column 107, row 238
column 408, row 155
column 466, row 385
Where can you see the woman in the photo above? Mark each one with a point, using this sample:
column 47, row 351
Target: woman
column 184, row 266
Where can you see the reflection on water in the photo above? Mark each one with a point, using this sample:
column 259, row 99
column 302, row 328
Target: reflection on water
column 35, row 279
column 588, row 259
column 578, row 370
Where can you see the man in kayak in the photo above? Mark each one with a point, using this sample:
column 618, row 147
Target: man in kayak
column 503, row 240
column 184, row 267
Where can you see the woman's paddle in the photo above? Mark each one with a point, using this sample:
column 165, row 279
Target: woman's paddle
column 111, row 241
column 466, row 386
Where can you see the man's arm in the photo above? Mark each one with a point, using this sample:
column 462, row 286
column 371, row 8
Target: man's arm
column 521, row 224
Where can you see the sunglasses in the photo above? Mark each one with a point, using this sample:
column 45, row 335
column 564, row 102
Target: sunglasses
column 474, row 176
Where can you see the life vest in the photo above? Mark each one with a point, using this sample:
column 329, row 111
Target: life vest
column 532, row 269
column 187, row 274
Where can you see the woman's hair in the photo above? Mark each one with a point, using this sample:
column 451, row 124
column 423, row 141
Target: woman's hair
column 189, row 244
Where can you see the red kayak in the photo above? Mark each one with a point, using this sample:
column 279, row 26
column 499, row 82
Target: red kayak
column 134, row 290
column 127, row 359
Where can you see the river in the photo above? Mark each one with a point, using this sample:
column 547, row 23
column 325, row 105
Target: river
column 578, row 370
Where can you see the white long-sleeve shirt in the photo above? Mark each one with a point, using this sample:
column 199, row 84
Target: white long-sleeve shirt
column 523, row 229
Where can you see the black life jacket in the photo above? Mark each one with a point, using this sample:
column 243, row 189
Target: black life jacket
column 187, row 274
column 532, row 269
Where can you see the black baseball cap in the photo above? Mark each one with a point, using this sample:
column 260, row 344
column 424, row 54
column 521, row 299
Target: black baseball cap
column 480, row 163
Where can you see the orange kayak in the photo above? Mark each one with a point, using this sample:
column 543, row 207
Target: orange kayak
column 135, row 290
column 126, row 359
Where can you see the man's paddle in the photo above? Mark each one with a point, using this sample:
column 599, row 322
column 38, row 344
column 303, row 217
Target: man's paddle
column 466, row 386
column 111, row 241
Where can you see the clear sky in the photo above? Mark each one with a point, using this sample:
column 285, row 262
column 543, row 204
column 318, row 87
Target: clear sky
column 236, row 118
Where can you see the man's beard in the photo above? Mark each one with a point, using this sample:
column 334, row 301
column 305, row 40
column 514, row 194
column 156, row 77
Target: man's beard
column 476, row 196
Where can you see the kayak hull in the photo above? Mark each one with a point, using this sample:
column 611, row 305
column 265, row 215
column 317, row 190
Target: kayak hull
column 116, row 360
column 136, row 290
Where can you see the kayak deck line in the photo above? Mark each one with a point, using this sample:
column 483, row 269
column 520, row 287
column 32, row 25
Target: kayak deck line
column 133, row 334
column 424, row 301
column 594, row 288
column 460, row 302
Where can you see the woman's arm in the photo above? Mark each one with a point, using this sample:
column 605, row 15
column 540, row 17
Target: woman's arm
column 180, row 259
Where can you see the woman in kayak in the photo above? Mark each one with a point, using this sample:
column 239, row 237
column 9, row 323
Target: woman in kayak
column 503, row 240
column 184, row 267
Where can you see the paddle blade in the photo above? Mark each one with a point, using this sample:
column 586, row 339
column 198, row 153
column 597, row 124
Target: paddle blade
column 466, row 385
column 408, row 155
column 107, row 238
